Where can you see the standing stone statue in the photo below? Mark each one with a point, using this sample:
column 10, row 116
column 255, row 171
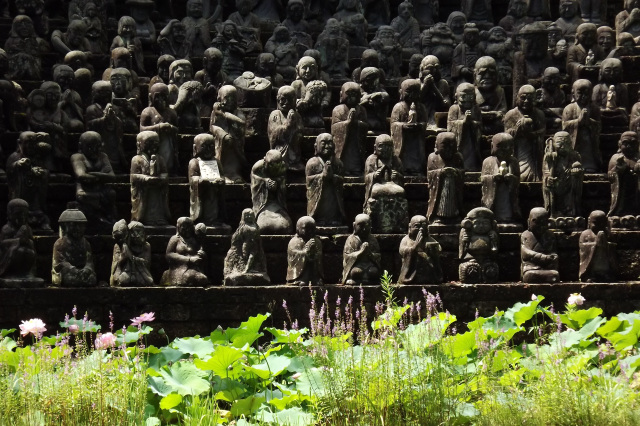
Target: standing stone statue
column 206, row 186
column 529, row 64
column 500, row 179
column 445, row 174
column 581, row 119
column 478, row 247
column 186, row 258
column 304, row 255
column 25, row 50
column 408, row 123
column 180, row 72
column 375, row 99
column 408, row 28
column 551, row 98
column 285, row 128
column 128, row 38
column 420, row 255
column 439, row 41
column 562, row 177
column 527, row 125
column 384, row 200
column 245, row 263
column 101, row 117
column 124, row 100
column 465, row 122
column 149, row 186
column 349, row 129
column 198, row 26
column 434, row 91
column 324, row 174
column 478, row 11
column 93, row 171
column 584, row 57
column 333, row 46
column 70, row 101
column 388, row 46
column 465, row 55
column 17, row 251
column 158, row 117
column 188, row 107
column 597, row 254
column 624, row 173
column 48, row 117
column 228, row 127
column 500, row 47
column 538, row 250
column 361, row 254
column 131, row 256
column 72, row 264
column 233, row 48
column 569, row 19
column 268, row 194
column 212, row 78
column 490, row 96
column 307, row 71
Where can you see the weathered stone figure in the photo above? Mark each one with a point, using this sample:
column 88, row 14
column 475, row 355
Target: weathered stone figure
column 212, row 78
column 529, row 64
column 361, row 254
column 584, row 57
column 490, row 96
column 228, row 127
column 310, row 105
column 304, row 254
column 562, row 177
column 158, row 117
column 324, row 178
column 131, row 256
column 478, row 247
column 45, row 115
column 538, row 250
column 581, row 119
column 611, row 96
column 439, row 41
column 268, row 193
column 501, row 180
column 245, row 263
column 188, row 107
column 128, row 38
column 375, row 99
column 285, row 128
column 569, row 19
column 101, row 117
column 124, row 100
column 478, row 11
column 25, row 50
column 465, row 122
column 172, row 40
column 333, row 46
column 387, row 45
column 465, row 55
column 434, row 90
column 233, row 48
column 70, row 101
column 445, row 174
column 186, row 258
column 628, row 21
column 198, row 26
column 624, row 173
column 597, row 254
column 72, row 264
column 420, row 255
column 408, row 28
column 349, row 129
column 408, row 123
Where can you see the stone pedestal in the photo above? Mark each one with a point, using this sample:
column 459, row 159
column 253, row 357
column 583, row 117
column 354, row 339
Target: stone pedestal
column 389, row 215
column 160, row 230
column 32, row 282
column 332, row 230
column 246, row 280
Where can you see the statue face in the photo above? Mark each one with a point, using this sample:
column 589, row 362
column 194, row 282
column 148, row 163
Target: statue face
column 267, row 63
column 92, row 149
column 150, row 145
column 539, row 222
column 471, row 38
column 411, row 93
column 127, row 30
column 186, row 229
column 207, row 149
column 24, row 28
column 53, row 95
column 119, row 85
column 74, row 36
column 554, row 37
column 137, row 235
column 178, row 33
column 65, row 79
column 606, row 40
column 244, row 7
column 498, row 36
column 519, row 8
column 19, row 217
column 416, row 226
column 430, row 68
column 362, row 227
column 308, row 70
column 457, row 25
column 550, row 81
column 486, row 78
column 194, row 9
column 504, row 149
column 91, row 10
column 248, row 216
column 211, row 64
column 587, row 37
column 283, row 35
column 446, row 148
column 370, row 83
column 275, row 167
column 29, row 144
column 629, row 146
column 296, row 12
column 102, row 95
column 229, row 31
column 306, row 229
column 160, row 99
column 286, row 101
column 352, row 97
column 481, row 226
column 325, row 147
column 182, row 73
column 229, row 101
column 404, row 11
column 581, row 94
column 75, row 230
column 384, row 149
column 561, row 143
column 526, row 100
column 568, row 9
column 466, row 99
column 611, row 72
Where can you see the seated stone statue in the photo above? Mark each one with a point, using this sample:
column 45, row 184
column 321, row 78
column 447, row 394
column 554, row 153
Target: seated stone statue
column 248, row 25
column 408, row 123
column 527, row 125
column 304, row 255
column 228, row 127
column 268, row 193
column 551, row 98
column 581, row 119
column 558, row 47
column 529, row 63
column 478, row 12
column 96, row 28
column 206, row 184
column 25, row 50
column 384, row 200
column 350, row 16
column 611, row 95
column 388, row 46
column 283, row 47
column 131, row 256
column 434, row 91
column 624, row 172
column 285, row 128
column 70, row 102
column 127, row 38
column 375, row 100
column 562, row 177
column 17, row 251
column 72, row 264
column 597, row 254
column 478, row 247
column 420, row 255
column 538, row 250
column 465, row 122
column 145, row 29
column 408, row 28
column 186, row 258
column 158, row 117
column 333, row 46
column 307, row 71
column 188, row 106
column 45, row 115
column 298, row 25
column 500, row 180
column 73, row 39
column 93, row 171
column 173, row 40
column 149, row 187
column 28, row 178
column 490, row 96
column 124, row 100
column 245, row 262
column 324, row 178
column 361, row 254
column 445, row 174
column 349, row 126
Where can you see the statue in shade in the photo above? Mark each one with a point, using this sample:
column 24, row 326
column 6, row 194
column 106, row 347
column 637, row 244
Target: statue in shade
column 324, row 178
column 538, row 250
column 375, row 99
column 624, row 173
column 445, row 174
column 584, row 57
column 131, row 256
column 128, row 38
column 500, row 179
column 420, row 255
column 228, row 125
column 361, row 254
column 304, row 255
column 597, row 254
column 349, row 126
column 465, row 122
column 24, row 49
column 408, row 123
column 212, row 78
column 333, row 46
column 562, row 177
column 186, row 257
column 285, row 128
column 611, row 95
column 188, row 107
column 478, row 247
column 72, row 264
column 434, row 90
column 628, row 20
column 268, row 193
column 582, row 119
column 245, row 263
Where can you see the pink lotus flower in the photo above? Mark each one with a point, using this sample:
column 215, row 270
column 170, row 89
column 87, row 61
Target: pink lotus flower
column 146, row 317
column 34, row 326
column 104, row 341
column 74, row 328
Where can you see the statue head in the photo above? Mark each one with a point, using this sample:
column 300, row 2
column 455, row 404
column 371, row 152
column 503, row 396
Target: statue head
column 195, row 9
column 212, row 60
column 554, row 34
column 72, row 223
column 64, row 76
column 410, row 90
column 587, row 34
column 90, row 144
column 76, row 59
column 386, row 33
column 628, row 144
column 137, row 234
column 159, row 96
column 230, row 30
column 568, row 8
column 626, row 42
column 416, row 224
column 333, row 27
column 562, row 142
column 502, row 146
column 538, row 222
column 307, row 69
column 281, row 34
column 383, row 147
column 362, row 225
column 295, row 10
column 28, row 144
column 611, row 71
column 22, row 26
column 456, row 22
column 551, row 78
column 606, row 38
column 127, row 27
column 180, row 71
column 598, row 221
column 204, row 146
column 121, row 58
column 162, row 65
column 430, row 65
column 446, row 145
column 286, row 99
column 479, row 221
column 120, row 232
column 414, row 65
column 244, row 6
column 228, row 98
column 306, row 228
column 471, row 34
column 52, row 93
column 76, row 32
column 370, row 58
column 266, row 64
column 120, row 82
column 526, row 99
column 497, row 35
column 486, row 73
column 581, row 92
column 405, row 10
column 466, row 96
column 175, row 31
column 274, row 164
column 91, row 10
column 534, row 41
column 101, row 92
column 248, row 217
column 185, row 227
column 370, row 79
column 518, row 8
column 325, row 147
column 17, row 212
column 147, row 142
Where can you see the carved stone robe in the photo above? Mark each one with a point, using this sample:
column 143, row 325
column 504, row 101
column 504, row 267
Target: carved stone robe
column 501, row 197
column 352, row 259
column 468, row 135
column 350, row 139
column 149, row 202
column 300, row 267
column 420, row 265
column 585, row 137
column 409, row 142
column 446, row 182
column 324, row 194
column 528, row 145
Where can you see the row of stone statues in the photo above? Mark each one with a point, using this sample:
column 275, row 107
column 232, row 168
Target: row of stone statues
column 245, row 262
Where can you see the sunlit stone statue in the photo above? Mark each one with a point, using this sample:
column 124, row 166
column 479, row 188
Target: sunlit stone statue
column 285, row 128
column 361, row 254
column 245, row 263
column 375, row 99
column 228, row 127
column 465, row 122
column 408, row 123
column 186, row 258
column 304, row 255
column 131, row 256
column 624, row 175
column 500, row 179
column 445, row 174
column 349, row 128
column 268, row 193
column 72, row 264
column 538, row 250
column 581, row 119
column 478, row 247
column 420, row 255
column 597, row 254
column 562, row 177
